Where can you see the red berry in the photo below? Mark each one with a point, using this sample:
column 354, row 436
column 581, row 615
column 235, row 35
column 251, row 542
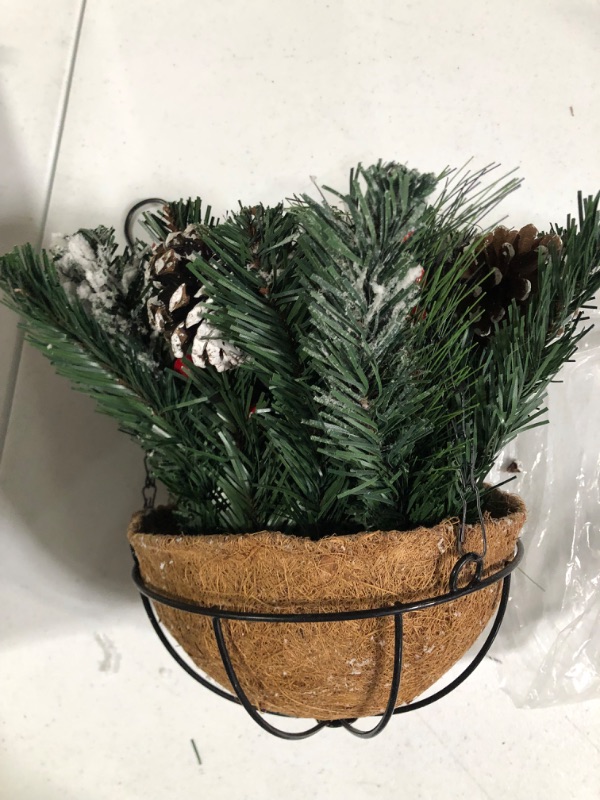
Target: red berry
column 417, row 314
column 252, row 411
column 179, row 364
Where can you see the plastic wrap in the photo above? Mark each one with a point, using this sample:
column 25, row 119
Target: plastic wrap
column 550, row 647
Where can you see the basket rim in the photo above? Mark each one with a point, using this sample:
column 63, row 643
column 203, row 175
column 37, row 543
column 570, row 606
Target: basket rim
column 513, row 506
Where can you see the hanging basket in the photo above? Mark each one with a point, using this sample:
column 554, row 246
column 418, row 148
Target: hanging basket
column 328, row 670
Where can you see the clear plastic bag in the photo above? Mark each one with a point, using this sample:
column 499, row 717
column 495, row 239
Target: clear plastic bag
column 550, row 645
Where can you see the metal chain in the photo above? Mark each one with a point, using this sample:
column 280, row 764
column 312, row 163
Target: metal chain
column 472, row 485
column 471, row 480
column 149, row 490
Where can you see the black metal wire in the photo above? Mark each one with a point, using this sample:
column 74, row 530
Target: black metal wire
column 475, row 488
column 468, row 558
column 346, row 723
column 133, row 214
column 233, row 679
column 414, row 706
column 330, row 616
column 394, row 688
column 149, row 490
column 469, row 468
column 240, row 697
column 473, row 664
column 182, row 663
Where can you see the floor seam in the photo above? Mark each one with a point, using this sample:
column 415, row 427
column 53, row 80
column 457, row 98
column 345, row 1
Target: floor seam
column 456, row 758
column 582, row 733
column 11, row 383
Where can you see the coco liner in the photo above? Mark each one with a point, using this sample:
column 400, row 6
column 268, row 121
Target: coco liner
column 327, row 670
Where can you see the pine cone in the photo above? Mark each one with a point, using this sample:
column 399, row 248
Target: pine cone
column 178, row 309
column 506, row 270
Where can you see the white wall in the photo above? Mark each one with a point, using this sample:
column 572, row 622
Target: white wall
column 239, row 100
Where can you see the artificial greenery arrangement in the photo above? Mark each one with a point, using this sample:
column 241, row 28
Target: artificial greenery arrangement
column 326, row 366
column 338, row 364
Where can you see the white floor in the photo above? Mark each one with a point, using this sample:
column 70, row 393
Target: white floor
column 104, row 103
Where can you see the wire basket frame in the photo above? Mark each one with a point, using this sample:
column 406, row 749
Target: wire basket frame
column 218, row 616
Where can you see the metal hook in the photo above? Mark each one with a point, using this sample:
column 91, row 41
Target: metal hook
column 133, row 214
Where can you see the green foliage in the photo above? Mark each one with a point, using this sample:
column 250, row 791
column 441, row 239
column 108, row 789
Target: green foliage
column 528, row 350
column 363, row 400
column 177, row 216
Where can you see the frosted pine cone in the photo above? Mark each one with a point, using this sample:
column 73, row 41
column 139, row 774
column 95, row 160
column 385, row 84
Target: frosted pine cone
column 178, row 310
column 506, row 270
column 210, row 348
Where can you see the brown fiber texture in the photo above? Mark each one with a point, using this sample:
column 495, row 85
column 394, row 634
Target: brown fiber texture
column 325, row 670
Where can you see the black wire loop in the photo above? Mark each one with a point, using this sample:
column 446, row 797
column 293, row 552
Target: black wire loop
column 134, row 213
column 394, row 688
column 243, row 698
column 468, row 558
column 240, row 697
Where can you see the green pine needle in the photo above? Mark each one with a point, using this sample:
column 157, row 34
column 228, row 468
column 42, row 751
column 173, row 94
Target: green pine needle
column 362, row 399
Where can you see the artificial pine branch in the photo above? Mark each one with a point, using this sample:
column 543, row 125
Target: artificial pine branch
column 359, row 396
column 526, row 352
column 255, row 305
column 107, row 367
column 361, row 282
